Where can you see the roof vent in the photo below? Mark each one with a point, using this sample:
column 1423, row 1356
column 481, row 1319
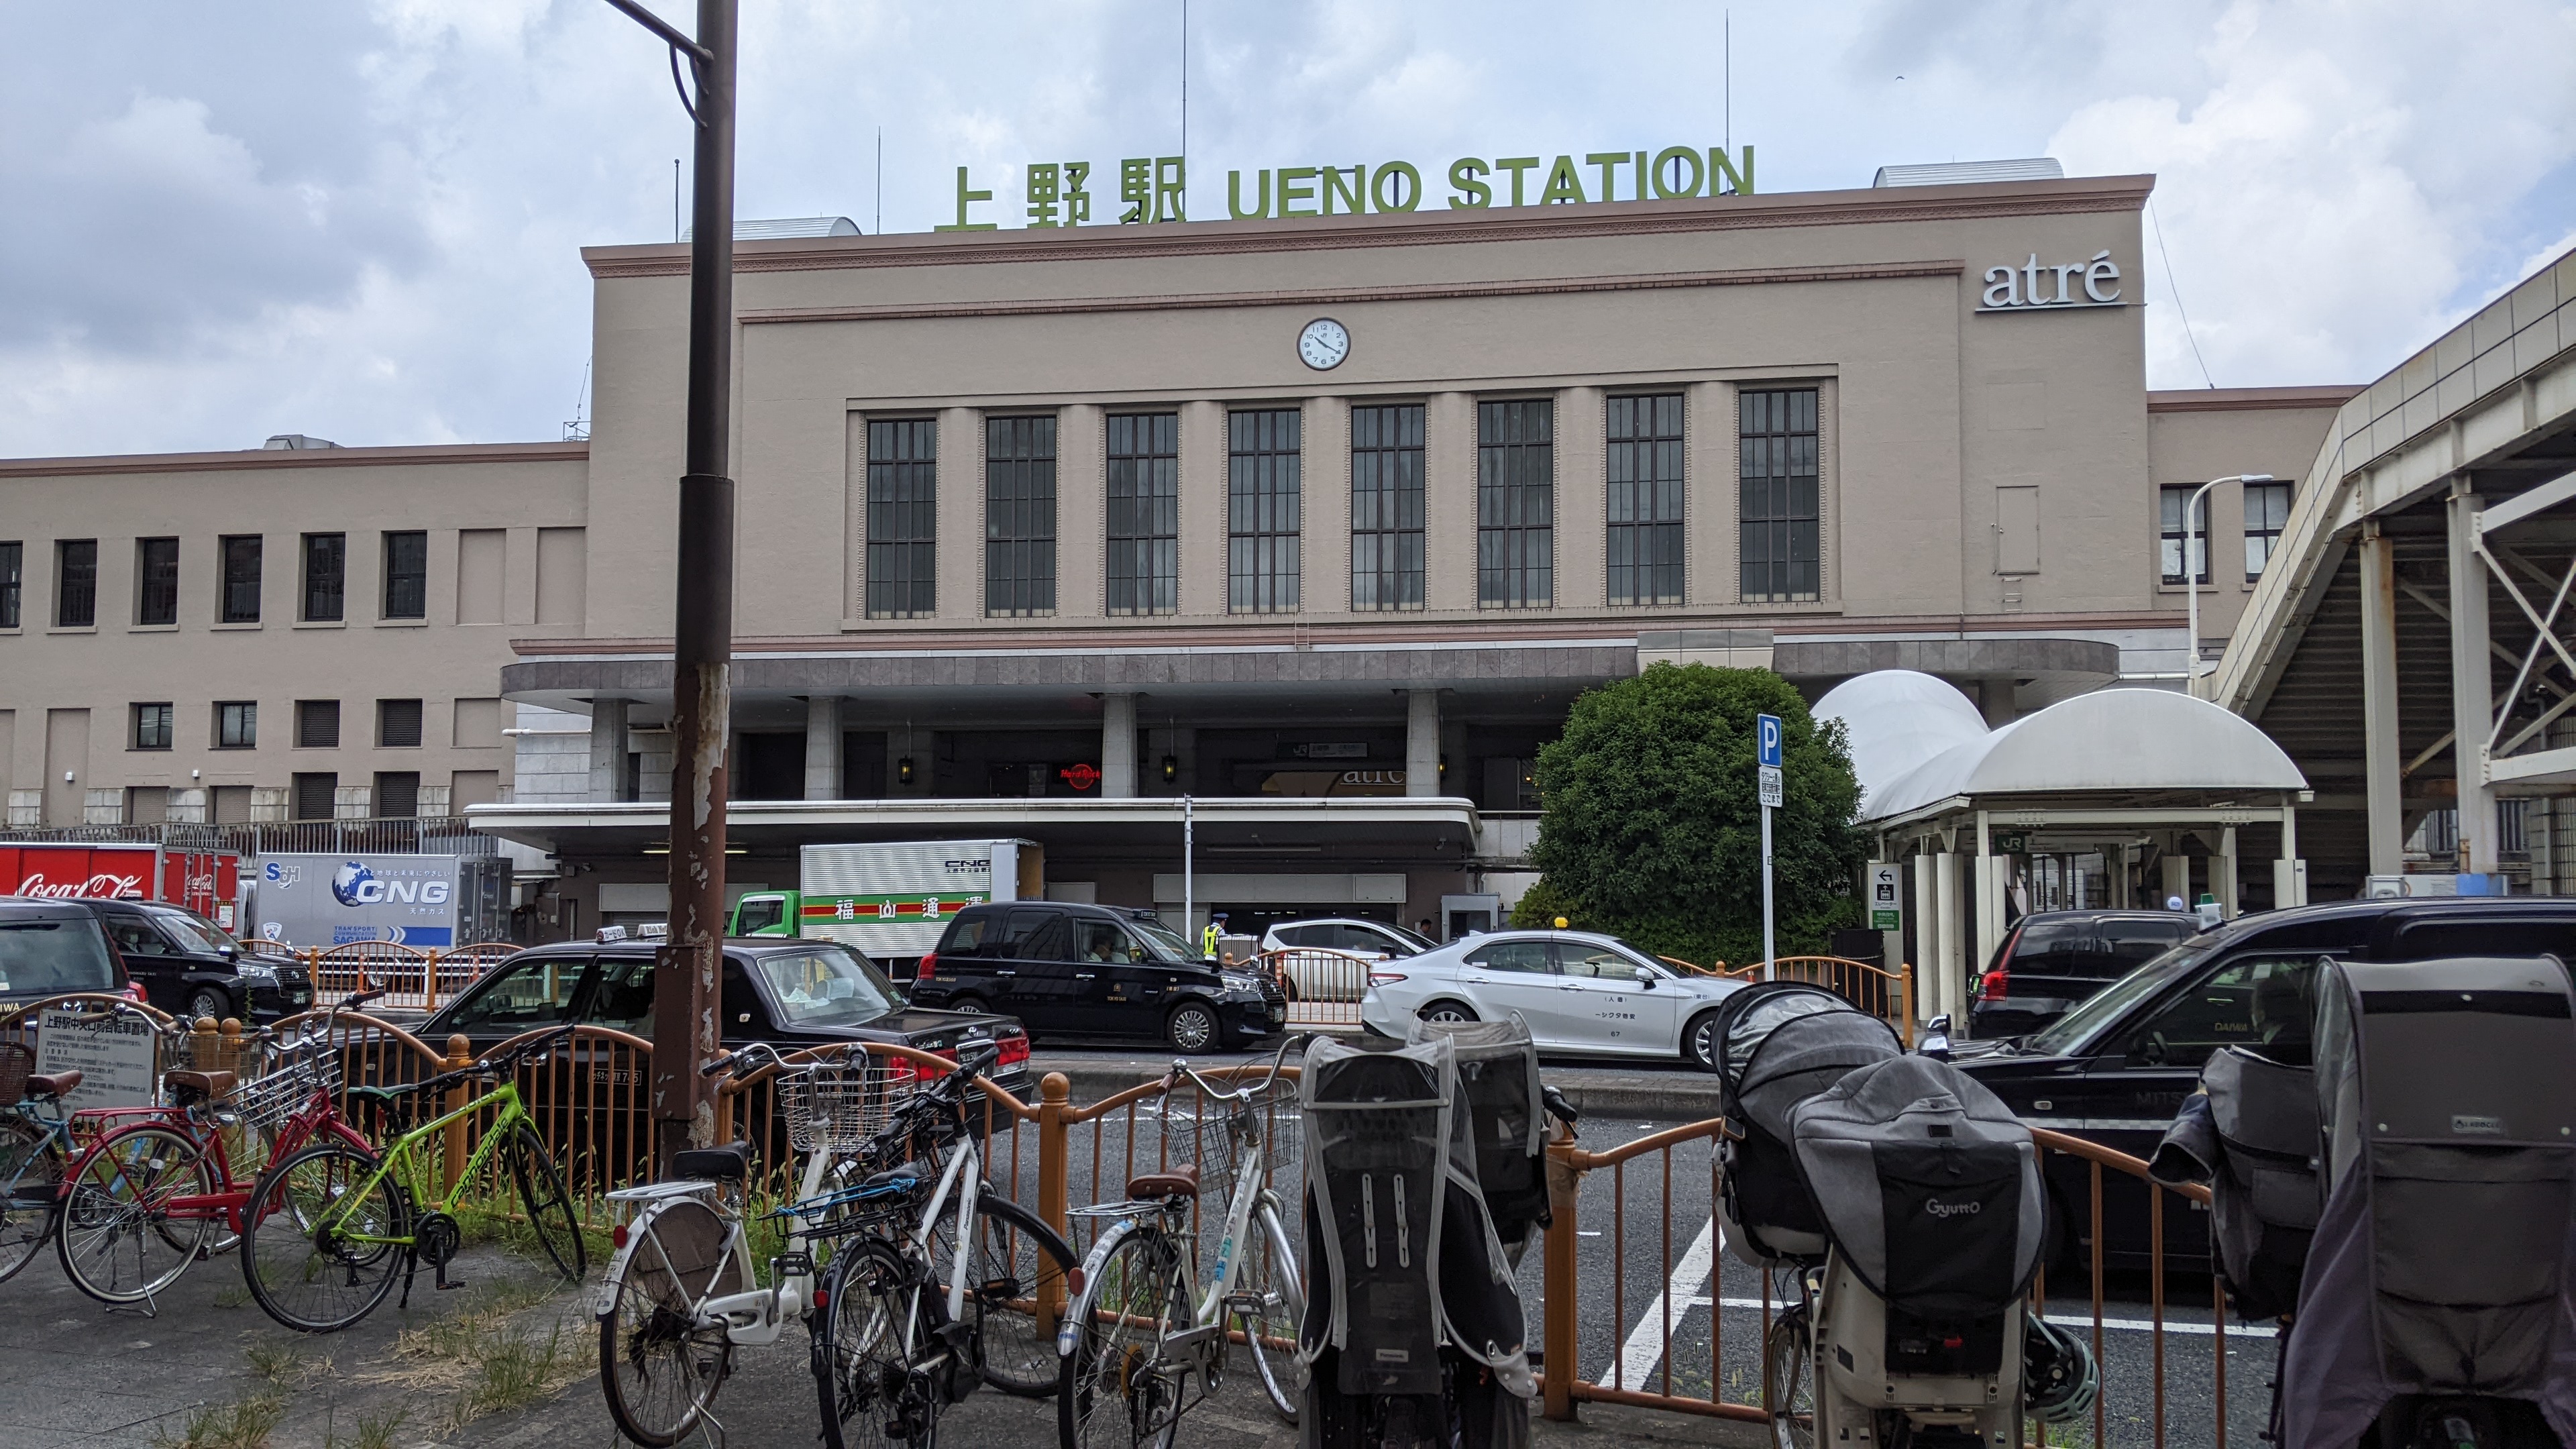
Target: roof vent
column 295, row 442
column 1970, row 173
column 778, row 228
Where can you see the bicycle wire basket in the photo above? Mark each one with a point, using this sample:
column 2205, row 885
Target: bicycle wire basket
column 1219, row 1137
column 838, row 1108
column 268, row 1101
column 17, row 1062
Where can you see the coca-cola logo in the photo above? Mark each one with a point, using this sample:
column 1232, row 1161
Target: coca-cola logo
column 102, row 886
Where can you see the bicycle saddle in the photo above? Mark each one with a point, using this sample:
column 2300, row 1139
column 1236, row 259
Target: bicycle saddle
column 729, row 1163
column 54, row 1084
column 208, row 1085
column 1172, row 1182
column 892, row 1180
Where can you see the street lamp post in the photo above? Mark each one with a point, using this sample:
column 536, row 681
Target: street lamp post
column 2191, row 578
column 686, row 984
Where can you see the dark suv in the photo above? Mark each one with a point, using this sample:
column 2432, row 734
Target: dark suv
column 50, row 948
column 1072, row 970
column 190, row 967
column 2055, row 959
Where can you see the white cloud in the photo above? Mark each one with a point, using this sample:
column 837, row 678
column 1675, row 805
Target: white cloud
column 364, row 221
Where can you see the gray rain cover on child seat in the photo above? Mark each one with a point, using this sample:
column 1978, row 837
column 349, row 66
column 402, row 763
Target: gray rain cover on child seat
column 1780, row 1044
column 1378, row 1130
column 1498, row 1070
column 2441, row 1263
column 2263, row 1197
column 1928, row 1186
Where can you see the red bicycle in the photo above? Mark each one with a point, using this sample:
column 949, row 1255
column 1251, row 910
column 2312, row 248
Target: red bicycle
column 143, row 1201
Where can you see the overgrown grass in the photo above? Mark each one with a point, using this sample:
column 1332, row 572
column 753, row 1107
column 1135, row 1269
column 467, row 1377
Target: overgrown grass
column 245, row 1423
column 375, row 1431
column 274, row 1362
column 481, row 1363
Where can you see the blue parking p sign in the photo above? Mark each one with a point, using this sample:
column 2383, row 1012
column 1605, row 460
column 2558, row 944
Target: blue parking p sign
column 1767, row 727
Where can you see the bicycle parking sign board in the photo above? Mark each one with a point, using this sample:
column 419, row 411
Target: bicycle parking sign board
column 113, row 1056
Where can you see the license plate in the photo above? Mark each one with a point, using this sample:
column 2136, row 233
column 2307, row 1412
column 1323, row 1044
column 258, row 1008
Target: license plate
column 1278, row 1013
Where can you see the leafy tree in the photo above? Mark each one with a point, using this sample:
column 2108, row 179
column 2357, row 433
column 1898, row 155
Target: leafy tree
column 1650, row 824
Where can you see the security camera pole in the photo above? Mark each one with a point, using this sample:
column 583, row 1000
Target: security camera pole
column 1767, row 739
column 685, row 985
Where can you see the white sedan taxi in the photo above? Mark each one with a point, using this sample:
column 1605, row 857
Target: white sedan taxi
column 1578, row 992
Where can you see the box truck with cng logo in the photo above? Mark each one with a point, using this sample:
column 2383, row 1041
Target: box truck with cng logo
column 892, row 900
column 430, row 901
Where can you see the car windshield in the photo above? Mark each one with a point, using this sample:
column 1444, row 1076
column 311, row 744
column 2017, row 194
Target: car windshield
column 58, row 955
column 2068, row 1033
column 1162, row 940
column 826, row 986
column 1416, row 939
column 1645, row 957
column 197, row 933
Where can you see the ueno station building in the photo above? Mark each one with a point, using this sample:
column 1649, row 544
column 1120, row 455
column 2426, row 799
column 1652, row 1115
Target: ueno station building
column 1323, row 522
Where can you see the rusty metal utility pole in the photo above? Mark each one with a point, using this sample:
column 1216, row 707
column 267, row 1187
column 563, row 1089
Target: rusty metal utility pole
column 687, row 982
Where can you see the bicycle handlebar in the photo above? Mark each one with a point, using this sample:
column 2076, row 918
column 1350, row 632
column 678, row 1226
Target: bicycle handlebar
column 1182, row 1069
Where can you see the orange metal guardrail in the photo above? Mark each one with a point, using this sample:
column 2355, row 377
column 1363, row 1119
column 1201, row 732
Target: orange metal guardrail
column 1886, row 994
column 1323, row 985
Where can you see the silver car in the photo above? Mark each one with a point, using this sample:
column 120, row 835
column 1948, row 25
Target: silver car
column 1326, row 959
column 1579, row 993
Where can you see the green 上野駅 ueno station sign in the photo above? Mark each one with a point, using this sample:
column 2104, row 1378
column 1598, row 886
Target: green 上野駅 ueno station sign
column 1155, row 188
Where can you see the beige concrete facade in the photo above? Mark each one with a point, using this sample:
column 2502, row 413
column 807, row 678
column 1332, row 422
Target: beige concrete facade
column 1986, row 508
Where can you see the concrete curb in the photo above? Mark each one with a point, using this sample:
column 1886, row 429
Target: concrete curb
column 1610, row 1095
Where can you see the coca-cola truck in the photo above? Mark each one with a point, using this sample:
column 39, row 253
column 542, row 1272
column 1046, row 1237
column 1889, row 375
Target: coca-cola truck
column 205, row 881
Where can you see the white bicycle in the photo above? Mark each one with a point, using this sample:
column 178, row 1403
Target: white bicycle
column 1137, row 1353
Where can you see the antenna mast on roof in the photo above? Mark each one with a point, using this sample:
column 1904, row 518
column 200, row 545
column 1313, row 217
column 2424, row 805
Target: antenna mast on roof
column 879, row 227
column 1727, row 88
column 1185, row 108
column 675, row 198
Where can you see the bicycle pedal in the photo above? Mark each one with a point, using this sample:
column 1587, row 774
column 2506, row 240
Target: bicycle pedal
column 801, row 1264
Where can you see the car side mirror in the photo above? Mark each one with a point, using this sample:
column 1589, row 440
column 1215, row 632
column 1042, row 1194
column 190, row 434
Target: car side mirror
column 1645, row 978
column 1936, row 1039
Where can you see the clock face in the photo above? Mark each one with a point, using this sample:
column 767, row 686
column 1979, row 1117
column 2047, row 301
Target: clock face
column 1323, row 344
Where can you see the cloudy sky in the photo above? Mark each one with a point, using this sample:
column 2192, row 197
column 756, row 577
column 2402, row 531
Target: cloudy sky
column 360, row 218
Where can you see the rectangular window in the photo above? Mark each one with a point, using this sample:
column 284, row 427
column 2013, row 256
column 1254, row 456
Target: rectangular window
column 1145, row 513
column 1646, row 499
column 2173, row 536
column 13, row 575
column 326, row 575
column 398, row 723
column 1516, row 504
column 317, row 724
column 316, row 796
column 903, row 508
column 1386, row 507
column 1019, row 516
column 156, row 576
column 1776, row 476
column 76, row 583
column 397, row 795
column 240, row 602
column 407, row 575
column 1264, row 454
column 152, row 726
column 237, row 724
column 2267, row 511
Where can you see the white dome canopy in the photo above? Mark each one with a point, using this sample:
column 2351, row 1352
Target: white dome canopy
column 1895, row 720
column 2112, row 740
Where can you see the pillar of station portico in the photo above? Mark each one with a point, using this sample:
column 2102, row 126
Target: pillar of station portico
column 2472, row 686
column 1949, row 975
column 823, row 748
column 1117, row 747
column 2177, row 878
column 2222, row 874
column 1927, row 937
column 1422, row 742
column 2381, row 780
column 607, row 748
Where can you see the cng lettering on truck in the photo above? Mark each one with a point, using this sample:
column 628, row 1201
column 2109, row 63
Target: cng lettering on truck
column 854, row 909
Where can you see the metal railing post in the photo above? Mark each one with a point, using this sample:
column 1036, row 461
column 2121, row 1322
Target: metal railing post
column 1557, row 1285
column 460, row 1055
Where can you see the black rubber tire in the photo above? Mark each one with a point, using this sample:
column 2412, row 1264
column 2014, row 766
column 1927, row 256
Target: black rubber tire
column 1135, row 1299
column 1432, row 1011
column 276, row 1233
column 1016, row 1356
column 207, row 1001
column 1179, row 1034
column 118, row 1190
column 1702, row 1055
column 858, row 1346
column 541, row 1192
column 31, row 1179
column 645, row 1333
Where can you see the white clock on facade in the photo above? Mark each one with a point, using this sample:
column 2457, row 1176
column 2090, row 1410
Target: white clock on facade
column 1324, row 344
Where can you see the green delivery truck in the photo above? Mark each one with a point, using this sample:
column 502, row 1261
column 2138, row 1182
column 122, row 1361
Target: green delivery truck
column 892, row 901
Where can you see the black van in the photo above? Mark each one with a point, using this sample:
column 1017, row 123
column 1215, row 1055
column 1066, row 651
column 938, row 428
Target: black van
column 2053, row 960
column 1072, row 970
column 190, row 967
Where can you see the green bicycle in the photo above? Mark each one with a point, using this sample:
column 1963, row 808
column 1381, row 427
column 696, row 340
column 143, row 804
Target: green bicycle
column 330, row 1228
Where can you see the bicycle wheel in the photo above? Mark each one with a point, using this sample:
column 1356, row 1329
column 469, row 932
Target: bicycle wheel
column 1788, row 1380
column 1269, row 1306
column 31, row 1180
column 660, row 1365
column 861, row 1380
column 1015, row 1288
column 326, row 1235
column 248, row 1152
column 541, row 1192
column 1121, row 1387
column 117, row 1235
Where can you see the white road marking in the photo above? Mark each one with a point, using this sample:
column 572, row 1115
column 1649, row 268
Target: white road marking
column 1645, row 1346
